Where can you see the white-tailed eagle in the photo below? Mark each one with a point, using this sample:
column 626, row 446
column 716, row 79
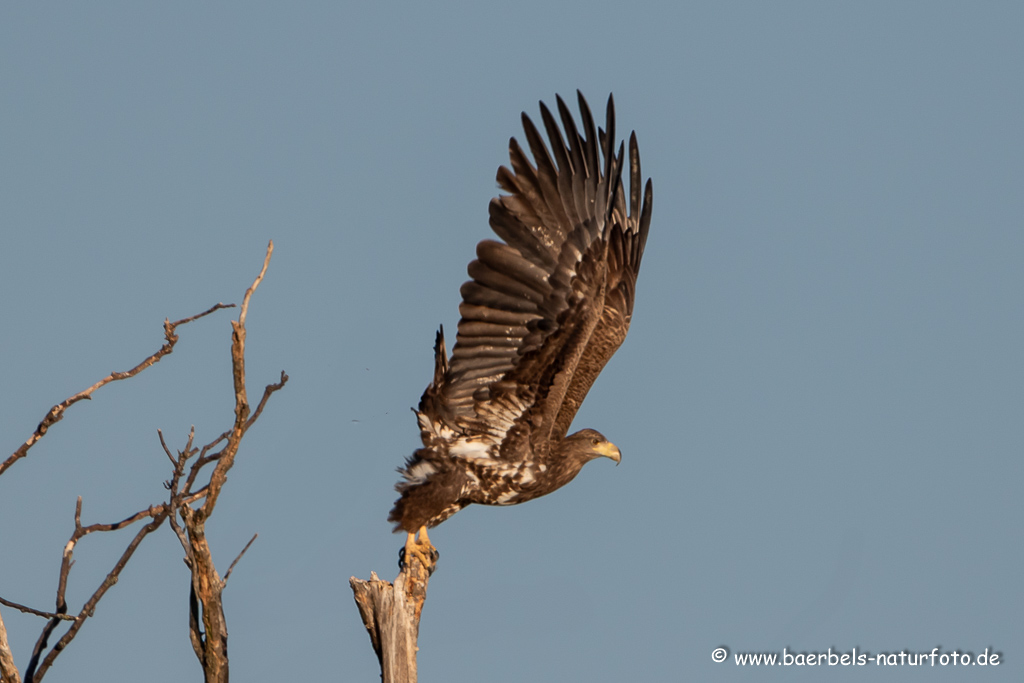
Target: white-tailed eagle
column 544, row 311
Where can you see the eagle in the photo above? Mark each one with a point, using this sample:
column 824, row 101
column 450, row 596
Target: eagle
column 544, row 310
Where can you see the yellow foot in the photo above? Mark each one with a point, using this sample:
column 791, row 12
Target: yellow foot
column 421, row 549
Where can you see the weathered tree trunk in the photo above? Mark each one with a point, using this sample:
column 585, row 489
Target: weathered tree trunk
column 391, row 614
column 207, row 625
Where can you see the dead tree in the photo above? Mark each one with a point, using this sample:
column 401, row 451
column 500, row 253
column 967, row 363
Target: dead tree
column 391, row 614
column 189, row 500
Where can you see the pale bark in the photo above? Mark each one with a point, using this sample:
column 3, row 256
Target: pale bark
column 391, row 614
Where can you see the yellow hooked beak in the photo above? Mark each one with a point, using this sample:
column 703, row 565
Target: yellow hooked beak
column 609, row 450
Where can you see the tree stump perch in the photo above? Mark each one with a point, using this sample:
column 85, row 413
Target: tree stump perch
column 391, row 614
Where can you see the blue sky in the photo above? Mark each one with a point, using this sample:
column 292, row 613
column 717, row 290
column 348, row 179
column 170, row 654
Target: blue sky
column 819, row 403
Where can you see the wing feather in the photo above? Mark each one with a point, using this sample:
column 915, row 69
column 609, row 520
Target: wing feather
column 547, row 176
column 626, row 242
column 546, row 308
column 581, row 197
column 567, row 172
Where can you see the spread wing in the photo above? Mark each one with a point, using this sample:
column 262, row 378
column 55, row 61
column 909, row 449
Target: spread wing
column 546, row 308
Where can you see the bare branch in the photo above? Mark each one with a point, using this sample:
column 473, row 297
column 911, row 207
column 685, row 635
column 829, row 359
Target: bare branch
column 152, row 511
column 255, row 284
column 158, row 513
column 88, row 609
column 203, row 461
column 270, row 388
column 56, row 413
column 232, row 567
column 178, row 498
column 206, row 449
column 182, row 538
column 166, row 450
column 195, row 495
column 197, row 316
column 38, row 613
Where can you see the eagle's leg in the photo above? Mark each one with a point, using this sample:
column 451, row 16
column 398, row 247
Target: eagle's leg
column 421, row 549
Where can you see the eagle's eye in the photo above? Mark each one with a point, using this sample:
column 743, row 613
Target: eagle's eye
column 595, row 441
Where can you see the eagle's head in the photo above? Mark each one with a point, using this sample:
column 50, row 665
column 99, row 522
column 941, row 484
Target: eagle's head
column 591, row 444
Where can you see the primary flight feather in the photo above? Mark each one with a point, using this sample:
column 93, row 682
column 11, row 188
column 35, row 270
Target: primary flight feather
column 544, row 311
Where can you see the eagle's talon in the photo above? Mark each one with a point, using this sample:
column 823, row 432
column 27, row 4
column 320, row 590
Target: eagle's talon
column 422, row 549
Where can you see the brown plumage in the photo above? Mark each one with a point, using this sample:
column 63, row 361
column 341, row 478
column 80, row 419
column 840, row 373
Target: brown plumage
column 542, row 314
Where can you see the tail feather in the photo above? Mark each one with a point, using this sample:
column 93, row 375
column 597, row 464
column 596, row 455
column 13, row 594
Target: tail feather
column 440, row 358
